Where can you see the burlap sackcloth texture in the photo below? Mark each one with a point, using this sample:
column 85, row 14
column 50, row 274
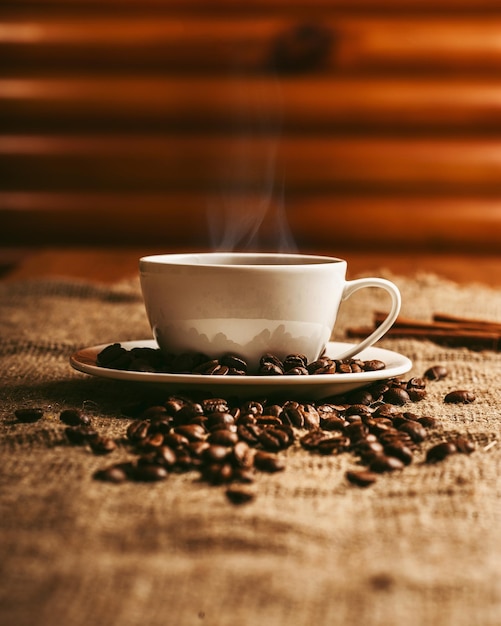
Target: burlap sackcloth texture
column 422, row 546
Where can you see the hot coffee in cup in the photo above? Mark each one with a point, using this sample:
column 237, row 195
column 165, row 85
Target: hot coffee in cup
column 250, row 304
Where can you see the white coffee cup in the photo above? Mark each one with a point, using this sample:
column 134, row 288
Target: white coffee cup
column 250, row 304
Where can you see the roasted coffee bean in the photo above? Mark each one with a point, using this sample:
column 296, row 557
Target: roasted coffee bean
column 138, row 430
column 383, row 463
column 311, row 439
column 156, row 411
column 416, row 395
column 249, row 433
column 253, row 407
column 242, row 455
column 440, row 451
column 215, row 405
column 165, row 456
column 416, row 383
column 185, row 461
column 460, row 396
column 28, row 415
column 220, row 419
column 415, row 430
column 386, row 410
column 216, row 454
column 324, row 365
column 176, row 440
column 437, row 372
column 333, row 423
column 293, row 361
column 267, row 462
column 332, row 445
column 161, row 425
column 173, row 405
column 464, row 445
column 188, row 411
column 270, row 359
column 361, row 478
column 73, row 417
column 311, row 418
column 361, row 397
column 427, row 421
column 356, row 431
column 293, row 414
column 327, row 410
column 234, row 362
column 240, row 494
column 270, row 369
column 192, row 432
column 223, row 437
column 399, row 451
column 358, row 409
column 145, row 472
column 367, row 450
column 268, row 420
column 274, row 438
column 112, row 474
column 218, row 473
column 343, row 367
column 151, row 442
column 373, row 365
column 102, row 445
column 396, row 395
column 80, row 435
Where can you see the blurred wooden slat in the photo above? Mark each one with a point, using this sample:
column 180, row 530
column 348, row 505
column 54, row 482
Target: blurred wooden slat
column 314, row 163
column 282, row 5
column 100, row 40
column 470, row 224
column 312, row 103
column 361, row 124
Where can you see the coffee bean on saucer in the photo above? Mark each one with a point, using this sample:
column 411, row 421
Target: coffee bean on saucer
column 234, row 362
column 292, row 361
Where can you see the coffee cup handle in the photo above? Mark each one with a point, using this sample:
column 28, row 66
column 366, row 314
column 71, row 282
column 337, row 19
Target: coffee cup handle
column 354, row 285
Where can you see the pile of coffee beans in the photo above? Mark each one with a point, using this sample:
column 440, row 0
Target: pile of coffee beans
column 143, row 359
column 227, row 441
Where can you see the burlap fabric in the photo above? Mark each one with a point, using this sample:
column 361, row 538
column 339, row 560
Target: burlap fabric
column 422, row 546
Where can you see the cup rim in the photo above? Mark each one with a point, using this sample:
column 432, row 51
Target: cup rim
column 264, row 260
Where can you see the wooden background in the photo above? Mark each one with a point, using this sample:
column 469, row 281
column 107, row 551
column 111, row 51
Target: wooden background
column 316, row 124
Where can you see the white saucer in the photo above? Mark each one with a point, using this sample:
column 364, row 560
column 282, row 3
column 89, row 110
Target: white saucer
column 313, row 387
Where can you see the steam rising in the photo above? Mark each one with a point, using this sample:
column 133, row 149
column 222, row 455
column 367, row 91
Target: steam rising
column 250, row 211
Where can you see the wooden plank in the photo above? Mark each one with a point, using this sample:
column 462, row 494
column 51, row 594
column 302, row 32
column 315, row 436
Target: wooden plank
column 160, row 162
column 115, row 264
column 346, row 42
column 319, row 103
column 306, row 221
column 281, row 5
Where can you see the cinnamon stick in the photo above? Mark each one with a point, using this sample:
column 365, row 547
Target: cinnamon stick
column 473, row 339
column 466, row 322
